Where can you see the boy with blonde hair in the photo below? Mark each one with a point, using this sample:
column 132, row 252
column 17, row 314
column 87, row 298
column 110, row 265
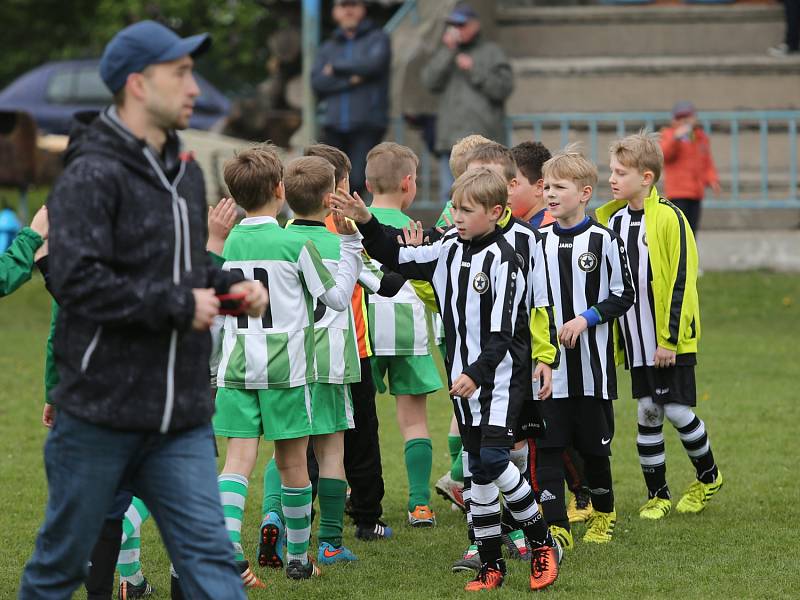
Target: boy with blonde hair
column 399, row 330
column 591, row 287
column 267, row 364
column 479, row 289
column 659, row 334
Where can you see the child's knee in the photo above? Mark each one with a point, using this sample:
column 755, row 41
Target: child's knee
column 679, row 415
column 650, row 413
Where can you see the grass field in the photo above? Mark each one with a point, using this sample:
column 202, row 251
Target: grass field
column 745, row 545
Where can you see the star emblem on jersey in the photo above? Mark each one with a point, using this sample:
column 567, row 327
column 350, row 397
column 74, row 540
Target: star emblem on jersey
column 480, row 283
column 520, row 261
column 587, row 262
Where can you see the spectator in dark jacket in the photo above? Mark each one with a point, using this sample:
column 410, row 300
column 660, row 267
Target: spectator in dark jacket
column 137, row 292
column 473, row 79
column 351, row 79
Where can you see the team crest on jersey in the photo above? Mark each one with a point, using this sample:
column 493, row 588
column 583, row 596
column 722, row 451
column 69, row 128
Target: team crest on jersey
column 587, row 262
column 644, row 238
column 520, row 261
column 480, row 283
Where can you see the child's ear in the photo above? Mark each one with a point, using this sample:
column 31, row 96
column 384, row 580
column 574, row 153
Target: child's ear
column 648, row 178
column 496, row 212
column 539, row 187
column 280, row 191
column 404, row 184
column 369, row 187
column 586, row 194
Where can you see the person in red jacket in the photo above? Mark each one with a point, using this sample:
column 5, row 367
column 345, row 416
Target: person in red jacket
column 688, row 165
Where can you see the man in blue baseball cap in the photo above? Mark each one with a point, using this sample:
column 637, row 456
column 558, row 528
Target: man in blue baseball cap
column 137, row 293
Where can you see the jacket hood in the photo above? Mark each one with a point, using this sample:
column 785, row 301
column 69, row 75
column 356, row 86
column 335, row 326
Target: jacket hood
column 102, row 134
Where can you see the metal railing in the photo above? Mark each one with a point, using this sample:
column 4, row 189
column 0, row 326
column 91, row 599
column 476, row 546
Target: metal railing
column 749, row 178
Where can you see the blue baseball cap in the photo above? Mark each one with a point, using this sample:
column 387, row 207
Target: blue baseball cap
column 684, row 108
column 461, row 14
column 142, row 44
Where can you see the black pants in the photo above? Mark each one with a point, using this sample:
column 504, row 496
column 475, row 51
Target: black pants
column 691, row 207
column 356, row 144
column 362, row 454
column 792, row 8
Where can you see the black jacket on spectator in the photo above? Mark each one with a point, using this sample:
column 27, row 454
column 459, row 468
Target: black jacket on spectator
column 127, row 246
column 348, row 106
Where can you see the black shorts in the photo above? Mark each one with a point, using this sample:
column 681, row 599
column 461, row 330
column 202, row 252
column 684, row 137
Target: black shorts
column 670, row 384
column 485, row 436
column 530, row 423
column 585, row 423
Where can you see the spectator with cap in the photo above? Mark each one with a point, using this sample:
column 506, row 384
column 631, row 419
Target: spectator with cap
column 473, row 79
column 137, row 292
column 351, row 79
column 688, row 166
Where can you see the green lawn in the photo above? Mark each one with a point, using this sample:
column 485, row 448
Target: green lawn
column 745, row 545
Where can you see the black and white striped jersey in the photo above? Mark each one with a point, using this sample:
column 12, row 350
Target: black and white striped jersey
column 480, row 290
column 588, row 272
column 639, row 323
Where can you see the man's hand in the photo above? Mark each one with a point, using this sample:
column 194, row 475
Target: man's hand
column 221, row 219
column 344, row 226
column 571, row 331
column 206, row 307
column 463, row 387
column 327, row 70
column 451, row 37
column 683, row 130
column 412, row 235
column 464, row 61
column 715, row 188
column 664, row 358
column 350, row 205
column 256, row 299
column 356, row 79
column 48, row 415
column 40, row 223
column 544, row 374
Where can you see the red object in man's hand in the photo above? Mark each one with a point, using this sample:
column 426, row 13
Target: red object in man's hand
column 232, row 304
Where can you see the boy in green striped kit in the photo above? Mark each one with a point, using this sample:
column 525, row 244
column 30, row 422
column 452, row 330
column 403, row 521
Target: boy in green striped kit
column 267, row 364
column 309, row 181
column 399, row 330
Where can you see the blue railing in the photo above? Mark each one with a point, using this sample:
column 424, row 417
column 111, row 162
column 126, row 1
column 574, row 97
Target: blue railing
column 750, row 181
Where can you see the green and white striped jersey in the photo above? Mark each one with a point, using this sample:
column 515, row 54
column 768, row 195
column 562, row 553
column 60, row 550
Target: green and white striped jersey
column 397, row 325
column 277, row 349
column 336, row 357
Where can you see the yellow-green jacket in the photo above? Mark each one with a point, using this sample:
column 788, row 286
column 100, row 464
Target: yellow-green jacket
column 673, row 258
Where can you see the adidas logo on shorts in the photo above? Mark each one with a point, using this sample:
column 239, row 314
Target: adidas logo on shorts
column 546, row 495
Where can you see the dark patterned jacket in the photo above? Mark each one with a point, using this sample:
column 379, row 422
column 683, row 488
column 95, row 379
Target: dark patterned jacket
column 127, row 246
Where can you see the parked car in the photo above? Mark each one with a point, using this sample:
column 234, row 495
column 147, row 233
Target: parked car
column 55, row 91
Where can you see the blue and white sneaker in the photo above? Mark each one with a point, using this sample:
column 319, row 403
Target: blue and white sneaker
column 329, row 554
column 272, row 542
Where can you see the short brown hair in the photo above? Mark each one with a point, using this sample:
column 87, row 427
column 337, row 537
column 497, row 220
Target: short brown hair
column 307, row 181
column 252, row 176
column 458, row 154
column 571, row 164
column 341, row 163
column 482, row 185
column 387, row 164
column 640, row 151
column 494, row 154
column 530, row 156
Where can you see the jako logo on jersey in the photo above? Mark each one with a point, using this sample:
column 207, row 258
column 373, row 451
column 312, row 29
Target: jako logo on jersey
column 565, row 245
column 480, row 283
column 587, row 262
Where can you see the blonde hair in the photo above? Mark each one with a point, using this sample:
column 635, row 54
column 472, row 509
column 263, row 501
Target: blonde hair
column 494, row 154
column 253, row 175
column 308, row 180
column 640, row 151
column 387, row 164
column 571, row 164
column 460, row 150
column 483, row 186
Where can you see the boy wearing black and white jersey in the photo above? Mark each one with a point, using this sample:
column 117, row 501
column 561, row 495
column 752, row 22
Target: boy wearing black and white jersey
column 481, row 294
column 591, row 285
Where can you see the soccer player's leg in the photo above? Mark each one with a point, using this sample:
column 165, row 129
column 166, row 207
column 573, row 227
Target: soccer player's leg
column 470, row 560
column 579, row 502
column 652, row 456
column 287, row 422
column 594, row 432
column 450, row 486
column 332, row 415
column 238, row 417
column 411, row 378
column 272, row 532
column 129, row 563
column 513, row 537
column 557, row 412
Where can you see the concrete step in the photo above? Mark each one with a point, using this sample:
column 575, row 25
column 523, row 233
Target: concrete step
column 639, row 30
column 614, row 83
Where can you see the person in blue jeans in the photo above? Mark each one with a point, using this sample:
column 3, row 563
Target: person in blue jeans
column 137, row 295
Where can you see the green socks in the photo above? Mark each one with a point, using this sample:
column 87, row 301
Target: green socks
column 272, row 490
column 456, row 464
column 297, row 512
column 332, row 494
column 233, row 493
column 419, row 459
column 128, row 565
